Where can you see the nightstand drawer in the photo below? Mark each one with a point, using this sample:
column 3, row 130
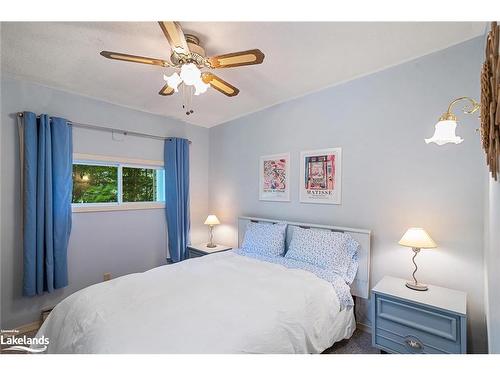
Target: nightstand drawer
column 408, row 344
column 416, row 328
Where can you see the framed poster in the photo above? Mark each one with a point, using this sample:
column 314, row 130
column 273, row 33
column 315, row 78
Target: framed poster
column 321, row 176
column 274, row 178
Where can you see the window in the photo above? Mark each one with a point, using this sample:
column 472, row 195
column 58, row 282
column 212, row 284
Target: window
column 142, row 184
column 95, row 183
column 111, row 185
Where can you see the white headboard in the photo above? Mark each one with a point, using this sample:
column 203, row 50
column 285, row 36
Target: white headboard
column 361, row 285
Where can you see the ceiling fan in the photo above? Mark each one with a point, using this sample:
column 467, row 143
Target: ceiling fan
column 193, row 68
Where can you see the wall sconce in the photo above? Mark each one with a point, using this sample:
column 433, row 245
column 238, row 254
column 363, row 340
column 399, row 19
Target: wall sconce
column 445, row 128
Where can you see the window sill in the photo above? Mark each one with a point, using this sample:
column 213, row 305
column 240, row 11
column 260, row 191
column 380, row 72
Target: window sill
column 118, row 207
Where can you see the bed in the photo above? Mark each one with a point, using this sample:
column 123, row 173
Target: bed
column 220, row 303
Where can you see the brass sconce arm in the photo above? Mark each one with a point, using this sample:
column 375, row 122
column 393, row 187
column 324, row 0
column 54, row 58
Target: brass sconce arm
column 445, row 128
column 473, row 107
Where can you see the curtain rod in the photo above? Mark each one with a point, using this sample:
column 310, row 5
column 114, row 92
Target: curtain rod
column 111, row 130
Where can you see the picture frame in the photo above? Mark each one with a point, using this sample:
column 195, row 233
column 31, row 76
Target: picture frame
column 274, row 177
column 321, row 176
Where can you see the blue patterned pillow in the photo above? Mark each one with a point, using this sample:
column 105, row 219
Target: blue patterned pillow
column 266, row 239
column 332, row 251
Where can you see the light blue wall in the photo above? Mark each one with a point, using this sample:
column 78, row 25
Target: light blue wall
column 392, row 180
column 492, row 264
column 117, row 242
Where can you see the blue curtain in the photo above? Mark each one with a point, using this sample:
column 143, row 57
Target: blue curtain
column 177, row 196
column 47, row 154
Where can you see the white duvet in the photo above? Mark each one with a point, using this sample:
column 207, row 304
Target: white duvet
column 220, row 303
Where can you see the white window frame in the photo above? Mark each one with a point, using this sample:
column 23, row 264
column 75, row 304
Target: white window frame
column 119, row 162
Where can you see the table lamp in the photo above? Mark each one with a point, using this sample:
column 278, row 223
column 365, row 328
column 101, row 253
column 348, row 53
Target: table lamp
column 211, row 221
column 416, row 238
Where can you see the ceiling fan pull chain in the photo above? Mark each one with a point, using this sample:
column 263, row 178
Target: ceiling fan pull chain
column 184, row 101
column 191, row 89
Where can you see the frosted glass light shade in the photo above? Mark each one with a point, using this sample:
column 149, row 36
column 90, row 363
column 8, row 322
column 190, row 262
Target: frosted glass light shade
column 173, row 81
column 212, row 220
column 417, row 238
column 200, row 87
column 445, row 133
column 190, row 74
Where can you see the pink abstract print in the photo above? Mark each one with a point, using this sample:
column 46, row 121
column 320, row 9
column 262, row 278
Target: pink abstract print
column 274, row 176
column 320, row 174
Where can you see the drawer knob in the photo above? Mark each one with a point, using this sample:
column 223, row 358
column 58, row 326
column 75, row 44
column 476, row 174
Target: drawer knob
column 414, row 343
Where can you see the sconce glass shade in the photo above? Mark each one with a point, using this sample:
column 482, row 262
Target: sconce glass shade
column 417, row 238
column 212, row 220
column 445, row 133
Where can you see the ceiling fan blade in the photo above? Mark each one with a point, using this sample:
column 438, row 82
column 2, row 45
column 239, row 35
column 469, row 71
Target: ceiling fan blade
column 175, row 36
column 166, row 90
column 219, row 84
column 229, row 60
column 134, row 58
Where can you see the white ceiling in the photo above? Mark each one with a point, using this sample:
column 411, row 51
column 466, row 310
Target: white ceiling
column 300, row 58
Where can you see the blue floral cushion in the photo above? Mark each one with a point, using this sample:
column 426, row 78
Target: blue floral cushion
column 331, row 251
column 266, row 239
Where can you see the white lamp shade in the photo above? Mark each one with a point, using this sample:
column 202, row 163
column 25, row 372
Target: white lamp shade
column 445, row 133
column 212, row 220
column 418, row 238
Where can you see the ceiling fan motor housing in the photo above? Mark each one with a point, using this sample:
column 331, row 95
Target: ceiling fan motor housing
column 196, row 56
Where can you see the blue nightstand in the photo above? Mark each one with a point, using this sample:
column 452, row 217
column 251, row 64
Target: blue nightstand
column 195, row 251
column 409, row 321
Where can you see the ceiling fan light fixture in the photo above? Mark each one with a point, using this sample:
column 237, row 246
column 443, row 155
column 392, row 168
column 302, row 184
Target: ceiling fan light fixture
column 173, row 81
column 190, row 74
column 200, row 87
column 188, row 58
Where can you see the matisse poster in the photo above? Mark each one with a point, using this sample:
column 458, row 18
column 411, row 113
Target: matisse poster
column 320, row 176
column 274, row 178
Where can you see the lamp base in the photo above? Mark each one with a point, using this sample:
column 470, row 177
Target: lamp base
column 211, row 245
column 414, row 286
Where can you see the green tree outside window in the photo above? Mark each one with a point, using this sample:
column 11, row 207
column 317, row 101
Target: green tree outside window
column 99, row 184
column 95, row 184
